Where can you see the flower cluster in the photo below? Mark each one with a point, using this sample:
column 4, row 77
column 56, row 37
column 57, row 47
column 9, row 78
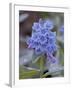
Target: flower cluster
column 43, row 40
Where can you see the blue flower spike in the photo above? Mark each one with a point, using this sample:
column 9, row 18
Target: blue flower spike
column 43, row 39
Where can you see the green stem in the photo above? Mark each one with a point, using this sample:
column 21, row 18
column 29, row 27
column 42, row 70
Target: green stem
column 41, row 66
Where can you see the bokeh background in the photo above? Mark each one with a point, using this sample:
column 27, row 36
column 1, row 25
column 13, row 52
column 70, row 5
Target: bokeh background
column 28, row 67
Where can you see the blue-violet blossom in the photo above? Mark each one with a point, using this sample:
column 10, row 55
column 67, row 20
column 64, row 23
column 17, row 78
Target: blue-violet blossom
column 43, row 39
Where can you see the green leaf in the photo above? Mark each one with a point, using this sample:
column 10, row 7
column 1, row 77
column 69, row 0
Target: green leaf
column 35, row 59
column 25, row 73
column 41, row 63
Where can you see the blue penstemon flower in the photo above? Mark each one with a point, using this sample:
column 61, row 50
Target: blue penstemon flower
column 43, row 40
